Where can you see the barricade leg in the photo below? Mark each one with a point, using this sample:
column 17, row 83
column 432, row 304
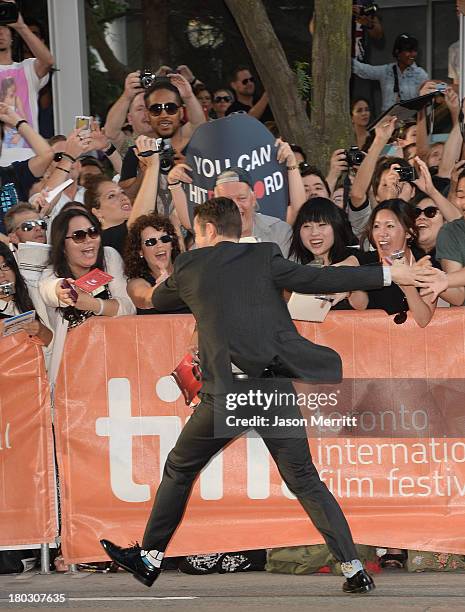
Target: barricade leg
column 45, row 559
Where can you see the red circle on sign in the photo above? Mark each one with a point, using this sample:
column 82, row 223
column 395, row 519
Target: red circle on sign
column 259, row 189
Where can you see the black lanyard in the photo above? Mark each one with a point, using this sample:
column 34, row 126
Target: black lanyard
column 396, row 83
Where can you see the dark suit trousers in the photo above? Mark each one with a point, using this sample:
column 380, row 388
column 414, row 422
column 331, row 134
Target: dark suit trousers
column 196, row 445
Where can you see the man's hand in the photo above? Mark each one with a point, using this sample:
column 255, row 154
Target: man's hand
column 182, row 85
column 132, row 86
column 285, row 154
column 186, row 72
column 8, row 115
column 143, row 144
column 179, row 173
column 403, row 274
column 163, row 71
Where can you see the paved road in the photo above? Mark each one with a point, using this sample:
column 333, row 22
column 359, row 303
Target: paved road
column 251, row 592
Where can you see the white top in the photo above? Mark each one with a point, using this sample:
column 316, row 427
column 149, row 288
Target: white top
column 22, row 95
column 117, row 286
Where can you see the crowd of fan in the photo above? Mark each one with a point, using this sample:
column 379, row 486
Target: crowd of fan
column 122, row 214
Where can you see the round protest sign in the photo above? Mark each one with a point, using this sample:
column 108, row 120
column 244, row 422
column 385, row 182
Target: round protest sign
column 237, row 140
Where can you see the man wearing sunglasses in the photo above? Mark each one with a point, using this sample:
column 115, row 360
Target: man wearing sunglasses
column 165, row 101
column 243, row 84
column 23, row 224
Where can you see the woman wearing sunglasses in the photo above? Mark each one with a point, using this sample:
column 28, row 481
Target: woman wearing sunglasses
column 15, row 298
column 222, row 100
column 77, row 248
column 392, row 231
column 151, row 249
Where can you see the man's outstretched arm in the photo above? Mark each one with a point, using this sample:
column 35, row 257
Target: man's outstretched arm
column 332, row 279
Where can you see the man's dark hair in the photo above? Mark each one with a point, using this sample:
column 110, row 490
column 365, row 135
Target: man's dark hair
column 162, row 83
column 90, row 160
column 298, row 149
column 384, row 164
column 308, row 169
column 223, row 214
column 236, row 71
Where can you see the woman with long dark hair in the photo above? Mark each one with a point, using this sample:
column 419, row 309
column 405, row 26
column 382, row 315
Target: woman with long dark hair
column 322, row 235
column 15, row 298
column 393, row 232
column 360, row 114
column 151, row 248
column 76, row 250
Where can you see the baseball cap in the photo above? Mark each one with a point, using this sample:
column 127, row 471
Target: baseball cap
column 404, row 42
column 234, row 175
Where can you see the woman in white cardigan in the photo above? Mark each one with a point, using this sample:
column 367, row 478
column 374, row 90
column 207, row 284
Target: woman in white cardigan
column 77, row 249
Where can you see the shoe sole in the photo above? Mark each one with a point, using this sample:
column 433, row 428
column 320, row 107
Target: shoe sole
column 362, row 590
column 145, row 581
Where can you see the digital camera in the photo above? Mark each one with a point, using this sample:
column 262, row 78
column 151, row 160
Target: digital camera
column 441, row 87
column 369, row 10
column 166, row 152
column 147, row 78
column 354, row 156
column 9, row 13
column 7, row 289
column 407, row 175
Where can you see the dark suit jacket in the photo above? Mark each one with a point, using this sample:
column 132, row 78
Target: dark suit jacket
column 235, row 294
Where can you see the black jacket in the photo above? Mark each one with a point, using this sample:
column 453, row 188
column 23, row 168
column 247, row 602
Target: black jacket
column 235, row 294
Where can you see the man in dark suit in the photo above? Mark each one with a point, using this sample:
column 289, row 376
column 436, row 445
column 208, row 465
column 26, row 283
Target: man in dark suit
column 245, row 332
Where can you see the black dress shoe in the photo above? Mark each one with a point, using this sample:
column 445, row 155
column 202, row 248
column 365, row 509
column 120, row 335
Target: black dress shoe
column 130, row 560
column 361, row 582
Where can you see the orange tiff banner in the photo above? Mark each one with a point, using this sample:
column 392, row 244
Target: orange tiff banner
column 118, row 415
column 27, row 485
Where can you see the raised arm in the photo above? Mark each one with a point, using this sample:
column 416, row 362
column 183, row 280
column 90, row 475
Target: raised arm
column 259, row 107
column 367, row 71
column 194, row 109
column 43, row 58
column 146, row 199
column 117, row 114
column 453, row 145
column 425, row 184
column 44, row 153
column 362, row 180
column 285, row 155
column 176, row 177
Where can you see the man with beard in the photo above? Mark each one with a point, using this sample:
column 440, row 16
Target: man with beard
column 165, row 101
